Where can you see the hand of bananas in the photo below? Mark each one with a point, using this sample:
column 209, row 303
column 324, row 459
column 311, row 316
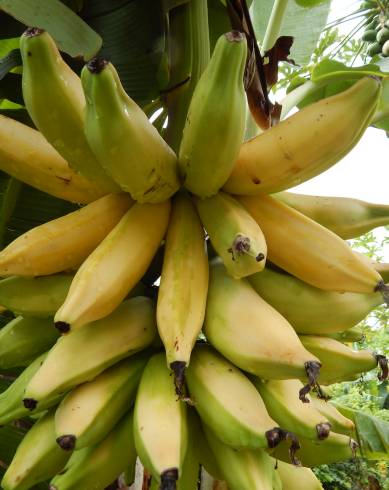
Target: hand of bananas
column 103, row 392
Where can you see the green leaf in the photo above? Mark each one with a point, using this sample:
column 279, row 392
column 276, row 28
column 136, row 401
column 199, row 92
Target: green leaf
column 381, row 120
column 11, row 60
column 330, row 70
column 309, row 3
column 7, row 45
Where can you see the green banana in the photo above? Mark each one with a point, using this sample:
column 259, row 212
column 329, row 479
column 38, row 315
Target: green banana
column 383, row 270
column 296, row 477
column 95, row 467
column 116, row 265
column 37, row 297
column 311, row 310
column 354, row 334
column 23, row 339
column 339, row 423
column 63, row 243
column 347, row 217
column 85, row 353
column 128, row 146
column 277, row 482
column 234, row 234
column 91, row 410
column 53, row 95
column 37, row 458
column 215, row 123
column 160, row 424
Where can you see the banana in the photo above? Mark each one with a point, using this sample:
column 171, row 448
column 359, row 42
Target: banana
column 28, row 157
column 183, row 287
column 234, row 234
column 354, row 334
column 215, row 123
column 37, row 297
column 277, row 482
column 85, row 353
column 53, row 96
column 340, row 362
column 252, row 334
column 347, row 217
column 160, row 424
column 309, row 251
column 339, row 423
column 37, row 457
column 383, row 270
column 23, row 339
column 284, row 406
column 296, row 477
column 237, row 415
column 116, row 265
column 306, row 143
column 128, row 146
column 95, row 467
column 91, row 410
column 63, row 243
column 311, row 310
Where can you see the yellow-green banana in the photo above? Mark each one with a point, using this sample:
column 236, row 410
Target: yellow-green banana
column 339, row 423
column 37, row 457
column 183, row 288
column 85, row 353
column 53, row 95
column 383, row 270
column 23, row 339
column 311, row 310
column 309, row 251
column 91, row 410
column 115, row 266
column 63, row 243
column 347, row 217
column 296, row 477
column 215, row 123
column 160, row 424
column 95, row 467
column 306, row 143
column 234, row 234
column 127, row 145
column 27, row 156
column 354, row 334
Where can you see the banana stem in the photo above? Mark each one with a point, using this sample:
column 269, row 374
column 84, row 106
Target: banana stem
column 274, row 26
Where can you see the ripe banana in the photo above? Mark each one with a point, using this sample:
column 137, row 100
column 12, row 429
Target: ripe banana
column 215, row 123
column 23, row 339
column 296, row 477
column 348, row 218
column 130, row 328
column 95, row 467
column 306, row 143
column 284, row 406
column 116, row 265
column 27, row 156
column 339, row 423
column 65, row 242
column 311, row 310
column 234, row 234
column 127, row 145
column 37, row 458
column 309, row 251
column 183, row 287
column 354, row 334
column 53, row 95
column 160, row 424
column 91, row 410
column 255, row 337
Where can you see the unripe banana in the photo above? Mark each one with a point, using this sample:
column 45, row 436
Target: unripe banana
column 183, row 288
column 347, row 217
column 127, row 145
column 339, row 423
column 311, row 310
column 99, row 345
column 354, row 334
column 37, row 458
column 306, row 143
column 63, row 243
column 215, row 124
column 383, row 270
column 23, row 339
column 309, row 251
column 160, row 425
column 234, row 234
column 116, row 265
column 53, row 95
column 296, row 477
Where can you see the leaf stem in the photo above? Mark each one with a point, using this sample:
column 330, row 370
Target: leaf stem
column 274, row 26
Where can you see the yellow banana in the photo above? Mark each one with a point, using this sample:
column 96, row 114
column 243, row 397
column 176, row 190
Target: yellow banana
column 339, row 423
column 115, row 266
column 27, row 156
column 234, row 234
column 65, row 242
column 183, row 287
column 306, row 143
column 296, row 477
column 309, row 251
column 347, row 217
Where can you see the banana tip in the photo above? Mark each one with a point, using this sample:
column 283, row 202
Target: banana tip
column 62, row 327
column 323, row 430
column 96, row 65
column 30, row 403
column 67, row 442
column 168, row 479
column 33, row 31
column 178, row 368
column 235, row 36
